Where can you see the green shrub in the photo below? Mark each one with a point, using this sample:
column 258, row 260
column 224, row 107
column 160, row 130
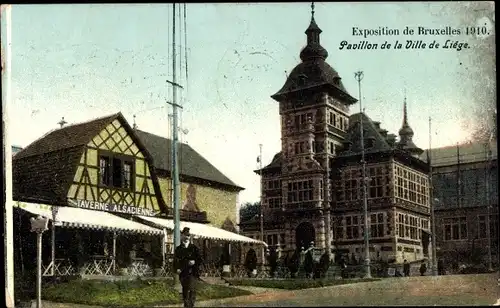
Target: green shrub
column 130, row 293
column 294, row 284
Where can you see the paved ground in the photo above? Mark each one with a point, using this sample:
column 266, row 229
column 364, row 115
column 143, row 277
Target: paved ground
column 442, row 290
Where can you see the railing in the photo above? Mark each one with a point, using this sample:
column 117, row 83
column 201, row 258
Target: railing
column 140, row 268
column 98, row 265
column 60, row 267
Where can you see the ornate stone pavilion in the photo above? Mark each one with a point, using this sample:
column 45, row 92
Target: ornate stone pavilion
column 312, row 189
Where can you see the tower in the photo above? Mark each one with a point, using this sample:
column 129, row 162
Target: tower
column 314, row 111
column 406, row 135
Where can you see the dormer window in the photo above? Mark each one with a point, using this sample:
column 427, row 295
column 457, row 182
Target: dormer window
column 302, row 79
column 370, row 143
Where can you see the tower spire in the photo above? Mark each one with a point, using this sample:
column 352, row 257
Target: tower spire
column 313, row 50
column 405, row 113
column 406, row 133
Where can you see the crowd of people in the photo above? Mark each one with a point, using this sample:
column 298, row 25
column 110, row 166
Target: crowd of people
column 314, row 265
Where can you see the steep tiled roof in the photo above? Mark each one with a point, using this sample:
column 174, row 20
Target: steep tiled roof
column 66, row 137
column 45, row 177
column 44, row 169
column 371, row 131
column 469, row 153
column 275, row 163
column 191, row 163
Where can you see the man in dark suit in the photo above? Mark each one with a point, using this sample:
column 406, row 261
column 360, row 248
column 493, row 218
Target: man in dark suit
column 187, row 260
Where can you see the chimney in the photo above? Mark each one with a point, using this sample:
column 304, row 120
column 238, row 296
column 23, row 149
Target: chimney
column 383, row 132
column 377, row 124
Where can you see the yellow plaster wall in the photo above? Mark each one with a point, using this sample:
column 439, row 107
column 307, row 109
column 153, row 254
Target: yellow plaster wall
column 121, row 143
column 218, row 204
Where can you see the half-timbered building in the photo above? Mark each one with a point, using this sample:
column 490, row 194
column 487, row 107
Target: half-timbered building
column 78, row 175
column 98, row 183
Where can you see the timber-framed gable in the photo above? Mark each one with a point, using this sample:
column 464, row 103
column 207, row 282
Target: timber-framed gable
column 109, row 168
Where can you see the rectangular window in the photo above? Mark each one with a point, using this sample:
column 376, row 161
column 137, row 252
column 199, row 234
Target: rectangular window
column 352, row 227
column 455, row 228
column 409, row 226
column 104, row 170
column 127, row 175
column 116, row 172
column 300, row 191
column 274, row 202
column 482, row 233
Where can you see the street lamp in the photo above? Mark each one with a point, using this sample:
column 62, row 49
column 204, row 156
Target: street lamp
column 433, row 238
column 39, row 225
column 359, row 76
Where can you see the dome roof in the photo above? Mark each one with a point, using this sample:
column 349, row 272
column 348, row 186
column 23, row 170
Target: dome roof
column 310, row 74
column 406, row 131
column 313, row 71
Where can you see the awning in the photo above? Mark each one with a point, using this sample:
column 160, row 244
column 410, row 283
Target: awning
column 202, row 230
column 87, row 219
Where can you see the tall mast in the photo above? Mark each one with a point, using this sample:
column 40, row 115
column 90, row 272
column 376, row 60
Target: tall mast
column 175, row 137
column 432, row 205
column 261, row 203
column 359, row 77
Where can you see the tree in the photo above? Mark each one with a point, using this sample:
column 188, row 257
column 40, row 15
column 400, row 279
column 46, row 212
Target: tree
column 249, row 210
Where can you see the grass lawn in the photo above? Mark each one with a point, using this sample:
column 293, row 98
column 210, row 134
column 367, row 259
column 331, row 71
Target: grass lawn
column 135, row 293
column 294, row 284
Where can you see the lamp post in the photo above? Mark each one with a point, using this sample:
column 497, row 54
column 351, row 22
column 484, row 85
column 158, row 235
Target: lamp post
column 39, row 225
column 433, row 238
column 359, row 76
column 261, row 213
column 432, row 205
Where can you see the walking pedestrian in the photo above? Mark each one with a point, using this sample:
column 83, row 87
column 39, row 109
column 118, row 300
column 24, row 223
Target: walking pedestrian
column 440, row 266
column 309, row 261
column 406, row 268
column 423, row 268
column 187, row 260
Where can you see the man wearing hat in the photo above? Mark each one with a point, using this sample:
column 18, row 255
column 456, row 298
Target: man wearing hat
column 187, row 261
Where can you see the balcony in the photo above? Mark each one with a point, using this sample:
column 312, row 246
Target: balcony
column 335, row 130
column 303, row 206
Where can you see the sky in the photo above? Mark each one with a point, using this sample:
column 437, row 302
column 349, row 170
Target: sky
column 82, row 61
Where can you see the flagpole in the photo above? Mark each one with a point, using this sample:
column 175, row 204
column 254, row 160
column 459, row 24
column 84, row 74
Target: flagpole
column 432, row 203
column 6, row 102
column 261, row 204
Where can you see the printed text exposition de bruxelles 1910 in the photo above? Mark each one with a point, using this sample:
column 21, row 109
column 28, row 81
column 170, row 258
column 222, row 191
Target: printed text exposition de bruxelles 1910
column 446, row 31
column 414, row 43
